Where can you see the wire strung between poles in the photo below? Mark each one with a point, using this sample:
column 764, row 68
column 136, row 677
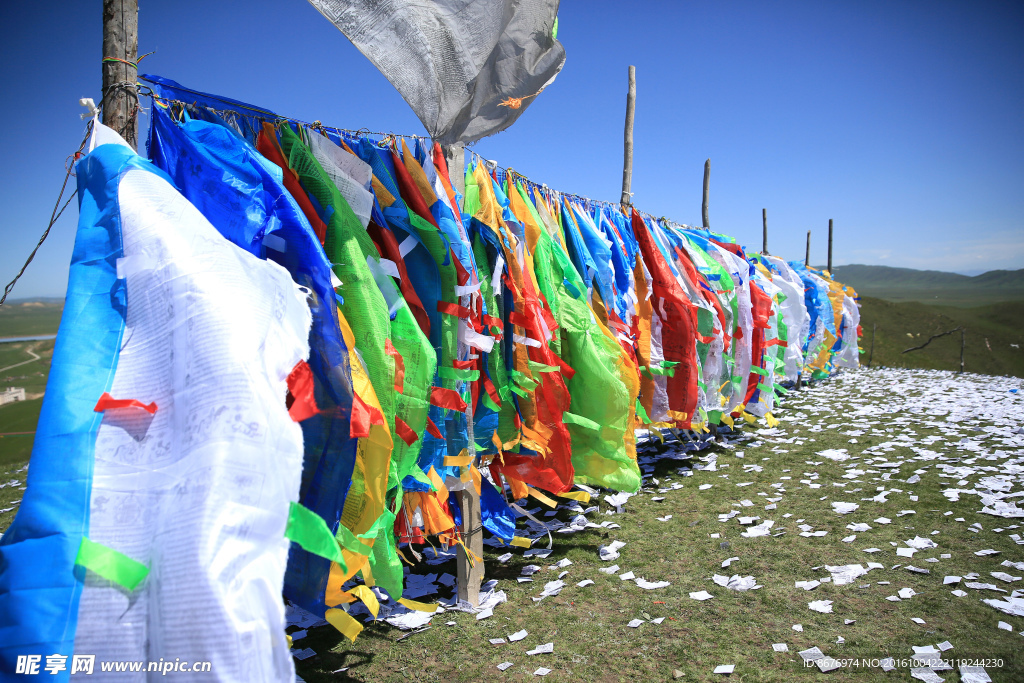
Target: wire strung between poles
column 53, row 217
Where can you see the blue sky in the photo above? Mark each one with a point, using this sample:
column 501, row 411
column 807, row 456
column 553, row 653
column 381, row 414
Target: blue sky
column 902, row 121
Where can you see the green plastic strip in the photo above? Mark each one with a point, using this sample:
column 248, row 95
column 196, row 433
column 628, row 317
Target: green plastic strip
column 527, row 383
column 642, row 412
column 781, row 389
column 488, row 402
column 580, row 421
column 459, row 374
column 759, row 371
column 110, row 564
column 541, row 367
column 310, row 531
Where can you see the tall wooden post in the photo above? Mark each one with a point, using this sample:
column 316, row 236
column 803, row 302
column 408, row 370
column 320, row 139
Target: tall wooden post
column 830, row 245
column 455, row 158
column 807, row 255
column 963, row 344
column 470, row 573
column 627, row 141
column 871, row 354
column 704, row 203
column 764, row 237
column 121, row 42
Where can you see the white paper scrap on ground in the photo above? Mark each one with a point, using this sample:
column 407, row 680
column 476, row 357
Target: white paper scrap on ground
column 780, row 647
column 544, row 649
column 974, row 674
column 542, row 672
column 823, row 606
column 812, row 654
column 1011, row 605
column 701, row 595
column 504, row 665
column 651, row 585
column 610, row 551
column 518, row 635
column 844, row 508
column 724, row 668
column 585, row 582
column 634, row 623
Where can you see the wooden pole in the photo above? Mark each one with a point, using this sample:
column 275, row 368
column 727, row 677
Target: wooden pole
column 470, row 573
column 704, row 204
column 764, row 238
column 830, row 245
column 627, row 141
column 963, row 343
column 120, row 102
column 871, row 354
column 455, row 158
column 807, row 255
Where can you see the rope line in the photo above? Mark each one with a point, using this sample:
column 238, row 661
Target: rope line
column 53, row 217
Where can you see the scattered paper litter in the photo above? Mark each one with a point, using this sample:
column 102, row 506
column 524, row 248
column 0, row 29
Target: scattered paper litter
column 724, row 668
column 701, row 595
column 844, row 508
column 610, row 551
column 736, row 582
column 585, row 582
column 651, row 585
column 504, row 665
column 780, row 647
column 518, row 635
column 634, row 623
column 823, row 606
column 546, row 648
column 542, row 672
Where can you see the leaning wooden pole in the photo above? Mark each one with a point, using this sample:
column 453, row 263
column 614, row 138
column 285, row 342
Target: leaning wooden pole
column 470, row 570
column 807, row 254
column 829, row 245
column 627, row 142
column 963, row 344
column 707, row 185
column 120, row 102
column 764, row 236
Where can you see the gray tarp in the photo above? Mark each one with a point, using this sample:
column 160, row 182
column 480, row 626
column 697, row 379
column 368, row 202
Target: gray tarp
column 462, row 65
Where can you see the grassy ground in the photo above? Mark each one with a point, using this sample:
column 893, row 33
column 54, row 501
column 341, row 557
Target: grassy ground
column 29, row 318
column 991, row 331
column 588, row 626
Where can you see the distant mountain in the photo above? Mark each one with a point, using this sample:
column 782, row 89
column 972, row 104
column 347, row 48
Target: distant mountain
column 933, row 286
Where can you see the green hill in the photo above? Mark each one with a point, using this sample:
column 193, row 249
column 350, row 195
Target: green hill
column 933, row 286
column 991, row 331
column 29, row 317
